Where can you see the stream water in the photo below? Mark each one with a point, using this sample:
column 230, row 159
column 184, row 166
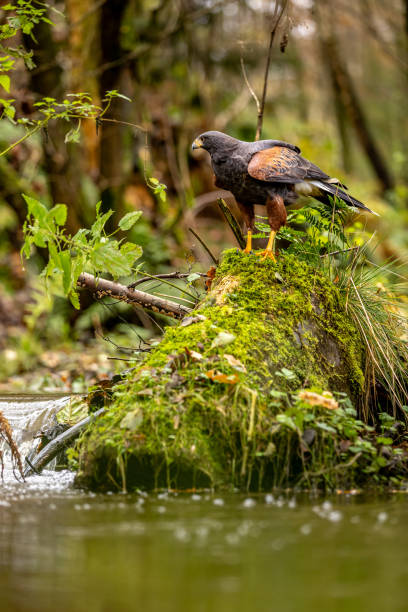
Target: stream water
column 72, row 551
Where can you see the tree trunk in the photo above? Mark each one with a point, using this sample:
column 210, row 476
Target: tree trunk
column 111, row 144
column 61, row 160
column 348, row 102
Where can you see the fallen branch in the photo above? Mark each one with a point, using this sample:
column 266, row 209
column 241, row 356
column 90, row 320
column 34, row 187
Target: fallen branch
column 103, row 287
column 54, row 447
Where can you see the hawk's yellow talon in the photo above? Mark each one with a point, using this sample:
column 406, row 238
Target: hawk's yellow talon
column 268, row 252
column 267, row 255
column 248, row 247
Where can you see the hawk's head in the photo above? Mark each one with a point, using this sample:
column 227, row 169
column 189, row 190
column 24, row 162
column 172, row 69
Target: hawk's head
column 214, row 142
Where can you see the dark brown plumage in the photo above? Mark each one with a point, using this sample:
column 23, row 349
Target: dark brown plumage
column 268, row 172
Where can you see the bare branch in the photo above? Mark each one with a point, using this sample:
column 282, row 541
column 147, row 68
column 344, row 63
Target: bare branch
column 276, row 20
column 204, row 246
column 341, row 251
column 103, row 287
column 248, row 84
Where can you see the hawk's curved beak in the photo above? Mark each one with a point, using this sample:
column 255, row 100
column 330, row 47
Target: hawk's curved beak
column 197, row 144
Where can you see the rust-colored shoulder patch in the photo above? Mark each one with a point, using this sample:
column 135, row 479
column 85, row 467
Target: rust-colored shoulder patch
column 274, row 163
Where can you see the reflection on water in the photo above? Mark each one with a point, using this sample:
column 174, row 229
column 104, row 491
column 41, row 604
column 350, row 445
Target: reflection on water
column 61, row 549
column 68, row 551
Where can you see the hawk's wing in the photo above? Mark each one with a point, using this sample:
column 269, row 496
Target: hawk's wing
column 282, row 165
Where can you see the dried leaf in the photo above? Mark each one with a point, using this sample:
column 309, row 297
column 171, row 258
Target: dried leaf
column 176, row 360
column 284, row 42
column 176, row 380
column 132, row 420
column 315, row 399
column 216, row 376
column 148, row 392
column 270, row 449
column 189, row 320
column 223, row 339
column 194, row 355
column 235, row 363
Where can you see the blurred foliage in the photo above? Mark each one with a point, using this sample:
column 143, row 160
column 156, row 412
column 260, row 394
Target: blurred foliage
column 180, row 64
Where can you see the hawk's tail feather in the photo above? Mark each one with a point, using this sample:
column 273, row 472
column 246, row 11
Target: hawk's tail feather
column 333, row 189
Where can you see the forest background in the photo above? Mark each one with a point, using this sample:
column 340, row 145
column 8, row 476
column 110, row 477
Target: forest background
column 338, row 85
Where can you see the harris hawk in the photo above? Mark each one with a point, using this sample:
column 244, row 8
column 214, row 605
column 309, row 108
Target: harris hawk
column 268, row 172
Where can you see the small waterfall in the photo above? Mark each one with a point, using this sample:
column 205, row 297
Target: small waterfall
column 27, row 415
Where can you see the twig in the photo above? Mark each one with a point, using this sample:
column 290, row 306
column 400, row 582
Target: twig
column 248, row 84
column 170, row 285
column 232, row 222
column 276, row 18
column 104, row 287
column 180, row 298
column 125, row 349
column 119, row 122
column 121, row 359
column 354, row 248
column 204, row 246
column 145, row 279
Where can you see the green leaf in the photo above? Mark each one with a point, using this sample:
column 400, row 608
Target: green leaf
column 10, row 111
column 130, row 219
column 384, row 440
column 326, row 427
column 59, row 213
column 113, row 93
column 223, row 339
column 5, row 82
column 193, row 277
column 66, row 264
column 26, row 248
column 74, row 299
column 288, row 374
column 74, row 135
column 40, row 237
column 132, row 420
column 99, row 224
column 131, row 251
column 35, row 208
column 80, row 236
column 107, row 258
column 54, row 263
column 284, row 419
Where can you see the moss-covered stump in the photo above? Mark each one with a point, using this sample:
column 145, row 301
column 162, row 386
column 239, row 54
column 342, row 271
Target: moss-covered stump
column 254, row 389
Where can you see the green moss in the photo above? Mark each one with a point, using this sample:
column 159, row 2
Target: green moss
column 203, row 408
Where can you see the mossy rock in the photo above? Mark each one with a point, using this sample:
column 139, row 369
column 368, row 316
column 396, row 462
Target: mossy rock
column 205, row 407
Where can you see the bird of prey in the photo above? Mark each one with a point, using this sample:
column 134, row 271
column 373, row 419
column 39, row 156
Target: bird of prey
column 268, row 172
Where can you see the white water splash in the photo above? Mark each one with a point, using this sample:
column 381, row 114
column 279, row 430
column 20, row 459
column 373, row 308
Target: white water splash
column 27, row 415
